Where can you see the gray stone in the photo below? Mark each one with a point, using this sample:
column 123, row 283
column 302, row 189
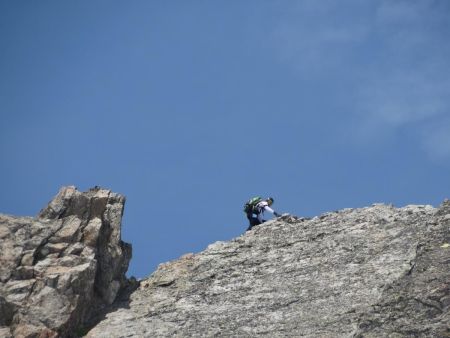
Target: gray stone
column 92, row 231
column 51, row 281
column 5, row 332
column 377, row 271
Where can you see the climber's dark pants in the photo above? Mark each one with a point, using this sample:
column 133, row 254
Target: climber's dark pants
column 253, row 220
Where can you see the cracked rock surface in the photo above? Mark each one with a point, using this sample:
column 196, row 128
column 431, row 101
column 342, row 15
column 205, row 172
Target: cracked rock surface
column 60, row 268
column 378, row 271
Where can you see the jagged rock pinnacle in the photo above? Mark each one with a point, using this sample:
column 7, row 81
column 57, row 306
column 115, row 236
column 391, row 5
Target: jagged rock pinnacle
column 58, row 269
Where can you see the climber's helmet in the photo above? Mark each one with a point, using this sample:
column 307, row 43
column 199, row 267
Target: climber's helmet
column 269, row 201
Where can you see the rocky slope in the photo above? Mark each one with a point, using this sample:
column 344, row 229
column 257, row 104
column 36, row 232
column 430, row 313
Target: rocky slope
column 378, row 271
column 61, row 268
column 371, row 272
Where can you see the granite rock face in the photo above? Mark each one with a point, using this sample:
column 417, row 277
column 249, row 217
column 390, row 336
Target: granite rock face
column 57, row 270
column 377, row 271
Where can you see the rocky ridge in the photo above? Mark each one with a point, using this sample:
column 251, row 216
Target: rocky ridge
column 378, row 271
column 59, row 269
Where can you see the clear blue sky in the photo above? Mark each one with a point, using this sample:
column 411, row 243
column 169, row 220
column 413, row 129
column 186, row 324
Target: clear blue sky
column 189, row 108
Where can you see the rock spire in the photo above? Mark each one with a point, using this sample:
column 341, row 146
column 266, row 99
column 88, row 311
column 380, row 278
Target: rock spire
column 59, row 269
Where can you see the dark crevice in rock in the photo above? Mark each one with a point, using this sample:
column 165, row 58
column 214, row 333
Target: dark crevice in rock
column 428, row 303
column 7, row 311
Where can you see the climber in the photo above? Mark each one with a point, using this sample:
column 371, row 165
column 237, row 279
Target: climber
column 255, row 209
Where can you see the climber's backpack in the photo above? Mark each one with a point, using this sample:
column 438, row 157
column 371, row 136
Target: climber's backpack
column 251, row 204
